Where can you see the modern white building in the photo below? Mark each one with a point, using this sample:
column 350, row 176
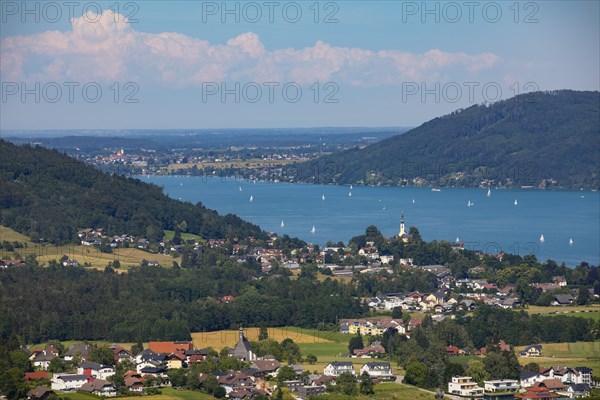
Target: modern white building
column 378, row 370
column 465, row 387
column 68, row 382
column 501, row 385
column 337, row 368
column 95, row 370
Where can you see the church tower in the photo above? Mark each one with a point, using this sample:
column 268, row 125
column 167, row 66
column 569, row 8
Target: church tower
column 402, row 235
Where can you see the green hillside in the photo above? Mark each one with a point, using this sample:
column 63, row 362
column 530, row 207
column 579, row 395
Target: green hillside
column 542, row 139
column 48, row 195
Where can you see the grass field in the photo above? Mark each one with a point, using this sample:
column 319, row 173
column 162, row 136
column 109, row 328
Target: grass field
column 386, row 391
column 567, row 354
column 128, row 257
column 590, row 311
column 185, row 236
column 167, row 394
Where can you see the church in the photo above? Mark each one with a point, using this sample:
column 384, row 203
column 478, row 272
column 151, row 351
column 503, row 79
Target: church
column 243, row 350
column 403, row 235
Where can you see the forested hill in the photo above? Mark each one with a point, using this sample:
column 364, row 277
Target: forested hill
column 48, row 195
column 542, row 139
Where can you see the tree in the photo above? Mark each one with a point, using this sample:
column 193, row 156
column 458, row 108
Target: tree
column 416, row 373
column 286, row 373
column 102, row 355
column 503, row 365
column 532, row 366
column 56, row 365
column 366, row 384
column 397, row 312
column 355, row 342
column 311, row 359
column 263, row 333
column 477, row 371
column 138, row 347
column 583, row 297
column 346, row 384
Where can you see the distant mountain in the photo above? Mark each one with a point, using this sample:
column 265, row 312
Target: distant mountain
column 48, row 195
column 542, row 139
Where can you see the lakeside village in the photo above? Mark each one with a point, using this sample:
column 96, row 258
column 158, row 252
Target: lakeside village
column 238, row 373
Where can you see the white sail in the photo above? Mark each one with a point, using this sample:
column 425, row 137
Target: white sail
column 282, row 224
column 322, row 197
column 413, row 201
column 240, row 189
column 457, row 240
column 313, row 230
column 251, row 199
column 349, row 194
column 516, row 202
column 542, row 240
column 571, row 242
column 350, row 187
column 489, row 193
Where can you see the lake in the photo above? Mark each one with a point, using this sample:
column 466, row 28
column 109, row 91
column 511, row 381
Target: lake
column 491, row 224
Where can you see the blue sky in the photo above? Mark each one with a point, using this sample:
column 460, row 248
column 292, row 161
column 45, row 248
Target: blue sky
column 188, row 64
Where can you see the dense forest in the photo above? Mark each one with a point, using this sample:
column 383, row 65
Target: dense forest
column 48, row 195
column 548, row 139
column 152, row 303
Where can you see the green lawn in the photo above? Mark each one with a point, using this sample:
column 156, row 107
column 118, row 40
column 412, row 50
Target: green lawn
column 590, row 311
column 185, row 236
column 386, row 391
column 567, row 354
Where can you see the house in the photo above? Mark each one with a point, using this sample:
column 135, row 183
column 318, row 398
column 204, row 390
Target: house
column 68, row 382
column 175, row 360
column 559, row 280
column 143, row 244
column 562, row 300
column 148, row 355
column 564, row 374
column 293, row 385
column 529, row 378
column 307, row 391
column 37, row 375
column 121, row 354
column 533, row 350
column 465, row 387
column 95, row 370
column 78, row 350
column 578, row 390
column 134, row 384
column 170, row 347
column 100, row 387
column 501, row 386
column 551, row 384
column 337, row 368
column 381, row 370
column 537, row 394
column 41, row 358
column 39, row 393
column 372, row 350
column 266, row 367
column 585, row 374
column 453, row 351
column 243, row 350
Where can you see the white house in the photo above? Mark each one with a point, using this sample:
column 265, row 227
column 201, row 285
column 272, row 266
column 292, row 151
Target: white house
column 68, row 382
column 464, row 386
column 529, row 378
column 95, row 370
column 501, row 385
column 378, row 370
column 337, row 368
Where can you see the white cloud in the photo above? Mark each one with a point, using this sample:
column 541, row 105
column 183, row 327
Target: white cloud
column 111, row 50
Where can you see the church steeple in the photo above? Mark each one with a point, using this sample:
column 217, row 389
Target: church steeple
column 402, row 231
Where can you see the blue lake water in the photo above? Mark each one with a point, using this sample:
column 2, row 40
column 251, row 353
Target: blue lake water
column 493, row 222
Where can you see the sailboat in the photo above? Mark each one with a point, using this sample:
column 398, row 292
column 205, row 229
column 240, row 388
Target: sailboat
column 413, row 201
column 323, row 197
column 241, row 189
column 349, row 194
column 516, row 202
column 436, row 190
column 457, row 240
column 469, row 204
column 571, row 242
column 350, row 187
column 489, row 192
column 282, row 224
column 251, row 199
column 313, row 230
column 542, row 240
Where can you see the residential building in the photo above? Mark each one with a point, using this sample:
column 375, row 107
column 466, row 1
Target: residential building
column 465, row 387
column 95, row 370
column 501, row 385
column 533, row 350
column 381, row 370
column 100, row 387
column 337, row 368
column 68, row 382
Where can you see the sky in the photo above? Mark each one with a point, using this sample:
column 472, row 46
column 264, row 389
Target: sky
column 266, row 64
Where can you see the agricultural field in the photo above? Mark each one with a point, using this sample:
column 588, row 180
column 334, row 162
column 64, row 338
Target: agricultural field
column 128, row 257
column 590, row 311
column 566, row 354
